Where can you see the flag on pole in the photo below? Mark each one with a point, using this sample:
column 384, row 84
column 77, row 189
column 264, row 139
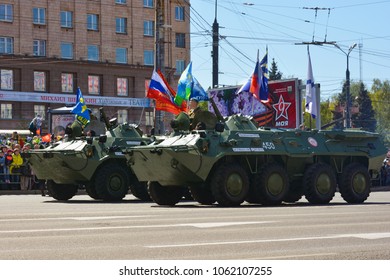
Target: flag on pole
column 80, row 109
column 185, row 85
column 264, row 78
column 164, row 95
column 159, row 88
column 189, row 87
column 257, row 83
column 311, row 98
column 198, row 92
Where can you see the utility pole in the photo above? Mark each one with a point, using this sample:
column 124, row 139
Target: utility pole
column 159, row 55
column 215, row 48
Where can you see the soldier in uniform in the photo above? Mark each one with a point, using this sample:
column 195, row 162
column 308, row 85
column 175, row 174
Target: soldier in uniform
column 194, row 113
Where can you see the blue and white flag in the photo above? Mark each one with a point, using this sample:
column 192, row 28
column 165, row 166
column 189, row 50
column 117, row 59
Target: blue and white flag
column 311, row 97
column 80, row 109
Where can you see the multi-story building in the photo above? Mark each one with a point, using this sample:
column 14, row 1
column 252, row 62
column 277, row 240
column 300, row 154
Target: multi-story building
column 49, row 48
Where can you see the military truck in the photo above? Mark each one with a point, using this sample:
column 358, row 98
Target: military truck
column 236, row 161
column 97, row 163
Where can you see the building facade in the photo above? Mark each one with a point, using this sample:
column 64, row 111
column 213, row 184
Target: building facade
column 49, row 48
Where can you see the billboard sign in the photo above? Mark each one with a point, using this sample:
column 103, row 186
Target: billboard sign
column 282, row 110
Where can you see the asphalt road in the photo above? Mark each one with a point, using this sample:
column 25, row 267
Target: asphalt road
column 36, row 228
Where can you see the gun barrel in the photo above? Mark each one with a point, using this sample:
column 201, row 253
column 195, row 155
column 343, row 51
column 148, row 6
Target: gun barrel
column 216, row 110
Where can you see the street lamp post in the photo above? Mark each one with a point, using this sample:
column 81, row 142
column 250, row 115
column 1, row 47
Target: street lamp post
column 347, row 82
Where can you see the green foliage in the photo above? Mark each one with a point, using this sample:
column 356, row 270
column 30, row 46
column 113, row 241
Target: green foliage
column 365, row 118
column 274, row 73
column 380, row 97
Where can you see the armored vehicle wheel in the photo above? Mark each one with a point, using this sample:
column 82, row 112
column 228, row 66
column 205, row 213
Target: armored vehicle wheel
column 91, row 191
column 295, row 192
column 139, row 189
column 355, row 184
column 230, row 184
column 202, row 194
column 61, row 191
column 271, row 185
column 320, row 183
column 112, row 182
column 164, row 195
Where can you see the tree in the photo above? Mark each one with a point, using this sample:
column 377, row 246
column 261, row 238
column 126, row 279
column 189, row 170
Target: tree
column 380, row 97
column 274, row 73
column 365, row 118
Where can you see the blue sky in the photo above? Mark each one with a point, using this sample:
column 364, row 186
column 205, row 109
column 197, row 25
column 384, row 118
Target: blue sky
column 279, row 24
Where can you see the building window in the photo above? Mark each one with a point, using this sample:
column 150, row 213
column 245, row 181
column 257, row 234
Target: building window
column 180, row 40
column 94, row 84
column 7, row 79
column 122, row 116
column 148, row 57
column 6, row 45
column 149, row 3
column 39, row 48
column 93, row 22
column 179, row 13
column 122, row 86
column 93, row 53
column 66, row 19
column 120, row 1
column 39, row 15
column 67, row 50
column 149, row 118
column 6, row 12
column 6, row 111
column 40, row 110
column 121, row 55
column 39, row 81
column 179, row 66
column 67, row 84
column 149, row 28
column 121, row 25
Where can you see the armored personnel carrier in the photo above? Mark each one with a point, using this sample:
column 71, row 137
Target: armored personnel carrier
column 95, row 162
column 235, row 161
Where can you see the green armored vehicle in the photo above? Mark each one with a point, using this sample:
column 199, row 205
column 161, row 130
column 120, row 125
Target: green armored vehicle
column 96, row 162
column 235, row 161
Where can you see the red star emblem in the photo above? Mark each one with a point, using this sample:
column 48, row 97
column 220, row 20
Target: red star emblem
column 281, row 108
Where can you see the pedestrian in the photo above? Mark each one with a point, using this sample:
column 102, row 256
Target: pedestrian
column 2, row 171
column 8, row 162
column 36, row 124
column 15, row 168
column 25, row 176
column 387, row 172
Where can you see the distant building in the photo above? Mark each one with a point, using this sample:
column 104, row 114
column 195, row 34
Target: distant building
column 105, row 47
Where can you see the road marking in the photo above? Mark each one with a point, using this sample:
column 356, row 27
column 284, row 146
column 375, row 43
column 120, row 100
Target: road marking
column 76, row 218
column 197, row 225
column 378, row 235
column 293, row 256
column 222, row 224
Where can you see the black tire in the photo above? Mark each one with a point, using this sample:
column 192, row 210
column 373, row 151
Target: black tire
column 167, row 196
column 202, row 194
column 355, row 183
column 295, row 192
column 139, row 189
column 230, row 184
column 91, row 191
column 112, row 182
column 271, row 185
column 320, row 183
column 61, row 191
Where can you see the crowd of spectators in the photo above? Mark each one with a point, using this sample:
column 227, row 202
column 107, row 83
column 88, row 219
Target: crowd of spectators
column 15, row 172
